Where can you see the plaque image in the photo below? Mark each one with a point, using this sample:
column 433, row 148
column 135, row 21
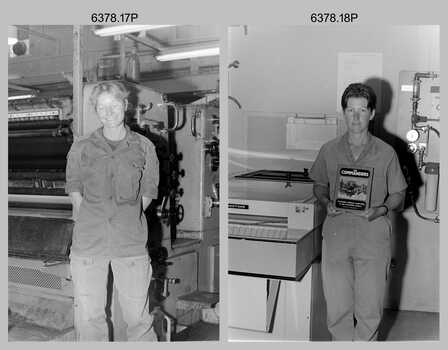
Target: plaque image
column 353, row 187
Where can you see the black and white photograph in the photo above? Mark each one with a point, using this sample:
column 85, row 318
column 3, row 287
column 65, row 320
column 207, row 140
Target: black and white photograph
column 113, row 181
column 224, row 173
column 304, row 101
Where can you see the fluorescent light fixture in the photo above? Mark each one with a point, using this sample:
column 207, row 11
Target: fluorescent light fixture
column 12, row 35
column 187, row 53
column 21, row 97
column 130, row 28
column 14, row 76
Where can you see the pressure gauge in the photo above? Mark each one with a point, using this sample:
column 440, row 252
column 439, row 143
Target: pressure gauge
column 412, row 147
column 412, row 135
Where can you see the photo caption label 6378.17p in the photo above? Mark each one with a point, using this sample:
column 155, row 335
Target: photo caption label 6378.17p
column 112, row 17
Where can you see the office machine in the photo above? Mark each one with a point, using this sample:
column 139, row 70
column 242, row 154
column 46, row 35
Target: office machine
column 274, row 236
column 267, row 229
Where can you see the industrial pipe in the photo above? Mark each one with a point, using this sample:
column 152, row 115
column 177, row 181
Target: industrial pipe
column 431, row 169
column 415, row 118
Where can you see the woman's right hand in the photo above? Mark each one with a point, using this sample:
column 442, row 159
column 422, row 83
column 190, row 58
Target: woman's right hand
column 332, row 210
column 76, row 199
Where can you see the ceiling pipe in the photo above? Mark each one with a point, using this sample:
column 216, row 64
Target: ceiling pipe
column 39, row 34
column 143, row 42
column 21, row 87
column 122, row 57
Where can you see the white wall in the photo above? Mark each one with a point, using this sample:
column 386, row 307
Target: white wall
column 294, row 70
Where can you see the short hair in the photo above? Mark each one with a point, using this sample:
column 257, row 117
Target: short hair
column 359, row 90
column 115, row 88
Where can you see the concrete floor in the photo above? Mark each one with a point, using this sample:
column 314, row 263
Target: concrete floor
column 200, row 331
column 20, row 329
column 409, row 325
column 397, row 326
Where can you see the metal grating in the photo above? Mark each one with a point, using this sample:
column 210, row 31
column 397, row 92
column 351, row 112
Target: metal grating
column 33, row 277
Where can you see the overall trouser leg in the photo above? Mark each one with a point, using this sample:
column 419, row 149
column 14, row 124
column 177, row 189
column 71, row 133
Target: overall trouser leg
column 89, row 277
column 131, row 278
column 370, row 286
column 371, row 264
column 338, row 279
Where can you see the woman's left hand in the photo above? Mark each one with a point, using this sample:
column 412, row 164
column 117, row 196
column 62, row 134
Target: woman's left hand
column 372, row 213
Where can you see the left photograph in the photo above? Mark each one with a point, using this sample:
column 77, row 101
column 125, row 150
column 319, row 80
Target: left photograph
column 113, row 183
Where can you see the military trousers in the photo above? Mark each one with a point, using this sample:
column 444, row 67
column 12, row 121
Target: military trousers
column 132, row 276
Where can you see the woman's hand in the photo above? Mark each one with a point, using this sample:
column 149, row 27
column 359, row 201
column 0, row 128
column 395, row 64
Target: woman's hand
column 373, row 213
column 76, row 199
column 332, row 210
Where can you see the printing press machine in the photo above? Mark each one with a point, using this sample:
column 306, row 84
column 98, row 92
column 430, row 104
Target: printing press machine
column 184, row 220
column 274, row 231
column 39, row 220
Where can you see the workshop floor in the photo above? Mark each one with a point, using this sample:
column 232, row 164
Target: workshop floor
column 200, row 331
column 409, row 325
column 19, row 329
column 397, row 325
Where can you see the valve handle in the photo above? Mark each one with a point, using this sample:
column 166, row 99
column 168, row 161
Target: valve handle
column 179, row 213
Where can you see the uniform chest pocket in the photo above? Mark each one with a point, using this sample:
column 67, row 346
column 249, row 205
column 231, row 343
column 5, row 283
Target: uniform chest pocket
column 93, row 170
column 129, row 179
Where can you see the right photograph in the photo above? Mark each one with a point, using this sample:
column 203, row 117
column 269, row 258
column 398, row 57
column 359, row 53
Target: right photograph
column 333, row 214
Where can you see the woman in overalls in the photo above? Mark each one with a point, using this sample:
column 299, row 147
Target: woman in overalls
column 356, row 243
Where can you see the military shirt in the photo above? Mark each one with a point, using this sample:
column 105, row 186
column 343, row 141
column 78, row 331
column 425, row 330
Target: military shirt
column 387, row 175
column 111, row 221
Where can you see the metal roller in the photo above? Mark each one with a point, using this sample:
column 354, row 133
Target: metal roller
column 39, row 133
column 42, row 124
column 37, row 163
column 39, row 147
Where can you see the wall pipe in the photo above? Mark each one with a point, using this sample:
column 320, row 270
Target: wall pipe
column 415, row 119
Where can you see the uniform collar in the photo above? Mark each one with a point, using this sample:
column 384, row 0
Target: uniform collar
column 344, row 146
column 98, row 138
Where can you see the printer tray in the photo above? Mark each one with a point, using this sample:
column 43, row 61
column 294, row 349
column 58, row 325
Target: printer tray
column 272, row 258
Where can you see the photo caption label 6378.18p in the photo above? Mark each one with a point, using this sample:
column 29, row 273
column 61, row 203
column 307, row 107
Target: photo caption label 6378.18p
column 331, row 17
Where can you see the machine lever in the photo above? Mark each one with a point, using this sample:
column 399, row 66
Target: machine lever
column 162, row 212
column 177, row 124
column 194, row 117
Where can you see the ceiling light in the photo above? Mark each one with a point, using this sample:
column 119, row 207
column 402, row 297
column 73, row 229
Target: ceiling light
column 14, row 76
column 12, row 35
column 172, row 55
column 21, row 97
column 130, row 28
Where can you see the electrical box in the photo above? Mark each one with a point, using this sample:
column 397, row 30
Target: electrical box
column 310, row 133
